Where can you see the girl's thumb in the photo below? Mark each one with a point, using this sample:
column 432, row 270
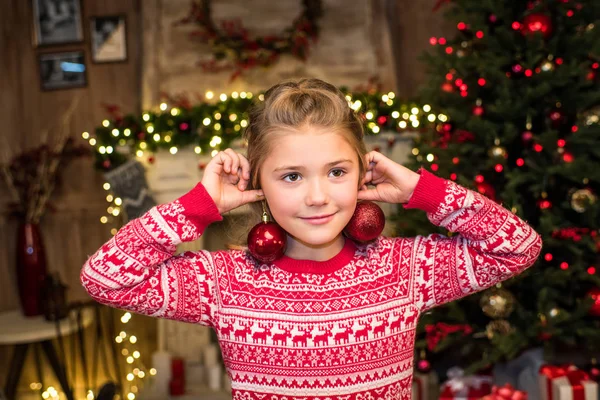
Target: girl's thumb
column 250, row 196
column 368, row 194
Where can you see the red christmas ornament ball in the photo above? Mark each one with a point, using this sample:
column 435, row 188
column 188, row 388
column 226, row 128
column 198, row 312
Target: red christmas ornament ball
column 595, row 295
column 267, row 241
column 527, row 136
column 447, row 87
column 478, row 111
column 106, row 164
column 537, row 22
column 487, row 190
column 558, row 119
column 423, row 366
column 367, row 222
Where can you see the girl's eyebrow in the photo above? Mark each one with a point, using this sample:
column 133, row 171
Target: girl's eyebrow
column 299, row 167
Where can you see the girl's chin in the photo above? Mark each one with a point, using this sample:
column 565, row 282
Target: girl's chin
column 315, row 242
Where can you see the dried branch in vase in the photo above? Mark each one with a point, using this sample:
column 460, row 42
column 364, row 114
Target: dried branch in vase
column 32, row 175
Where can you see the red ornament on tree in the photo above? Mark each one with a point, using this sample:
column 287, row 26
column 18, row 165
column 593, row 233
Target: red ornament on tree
column 423, row 366
column 478, row 111
column 447, row 87
column 367, row 222
column 595, row 295
column 267, row 240
column 487, row 190
column 537, row 22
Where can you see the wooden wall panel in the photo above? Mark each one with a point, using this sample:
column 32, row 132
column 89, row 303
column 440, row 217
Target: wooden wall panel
column 73, row 231
column 412, row 24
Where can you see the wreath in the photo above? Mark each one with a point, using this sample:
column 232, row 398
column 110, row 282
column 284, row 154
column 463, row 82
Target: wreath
column 233, row 43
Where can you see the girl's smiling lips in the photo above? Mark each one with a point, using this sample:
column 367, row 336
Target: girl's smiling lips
column 319, row 219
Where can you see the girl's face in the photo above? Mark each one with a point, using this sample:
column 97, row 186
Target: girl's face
column 310, row 181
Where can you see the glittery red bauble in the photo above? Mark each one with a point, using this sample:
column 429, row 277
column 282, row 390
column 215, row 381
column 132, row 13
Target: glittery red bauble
column 367, row 222
column 266, row 241
column 595, row 295
column 537, row 23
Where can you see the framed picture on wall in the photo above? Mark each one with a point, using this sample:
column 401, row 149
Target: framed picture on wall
column 109, row 39
column 57, row 22
column 62, row 70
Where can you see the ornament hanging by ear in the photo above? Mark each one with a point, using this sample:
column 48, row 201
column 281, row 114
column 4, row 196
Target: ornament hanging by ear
column 267, row 240
column 366, row 223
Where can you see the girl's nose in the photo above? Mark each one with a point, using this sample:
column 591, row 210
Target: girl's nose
column 317, row 193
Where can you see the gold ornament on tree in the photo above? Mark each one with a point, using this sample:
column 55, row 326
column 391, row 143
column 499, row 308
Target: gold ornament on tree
column 497, row 151
column 547, row 66
column 497, row 302
column 498, row 327
column 582, row 199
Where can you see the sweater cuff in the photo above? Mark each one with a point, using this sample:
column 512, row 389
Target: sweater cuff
column 199, row 207
column 429, row 192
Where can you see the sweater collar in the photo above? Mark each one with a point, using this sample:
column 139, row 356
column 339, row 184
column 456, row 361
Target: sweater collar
column 318, row 267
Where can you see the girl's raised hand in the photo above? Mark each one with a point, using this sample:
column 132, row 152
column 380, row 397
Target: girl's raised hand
column 226, row 178
column 393, row 183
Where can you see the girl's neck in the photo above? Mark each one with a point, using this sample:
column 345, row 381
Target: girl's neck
column 303, row 251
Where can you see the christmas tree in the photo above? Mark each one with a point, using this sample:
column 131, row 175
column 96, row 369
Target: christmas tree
column 519, row 96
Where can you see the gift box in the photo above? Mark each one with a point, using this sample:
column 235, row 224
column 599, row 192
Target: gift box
column 461, row 387
column 566, row 383
column 425, row 386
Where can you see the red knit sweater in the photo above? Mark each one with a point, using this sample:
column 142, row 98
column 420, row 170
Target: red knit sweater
column 299, row 329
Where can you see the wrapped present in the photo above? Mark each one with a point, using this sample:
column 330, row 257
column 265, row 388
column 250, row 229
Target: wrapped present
column 521, row 372
column 566, row 383
column 425, row 386
column 461, row 387
column 506, row 392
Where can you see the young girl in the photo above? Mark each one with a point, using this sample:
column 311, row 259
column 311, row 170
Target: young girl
column 331, row 318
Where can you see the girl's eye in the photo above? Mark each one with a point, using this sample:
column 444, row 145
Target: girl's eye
column 291, row 177
column 338, row 172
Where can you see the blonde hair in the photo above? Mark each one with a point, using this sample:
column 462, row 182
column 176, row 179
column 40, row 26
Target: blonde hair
column 292, row 105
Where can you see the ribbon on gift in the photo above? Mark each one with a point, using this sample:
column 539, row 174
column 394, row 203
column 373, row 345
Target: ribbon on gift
column 567, row 376
column 459, row 386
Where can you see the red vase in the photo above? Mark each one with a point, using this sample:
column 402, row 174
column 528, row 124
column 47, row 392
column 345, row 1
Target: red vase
column 31, row 268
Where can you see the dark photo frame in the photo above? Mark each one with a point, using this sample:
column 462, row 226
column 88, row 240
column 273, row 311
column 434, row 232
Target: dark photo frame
column 65, row 70
column 108, row 37
column 57, row 22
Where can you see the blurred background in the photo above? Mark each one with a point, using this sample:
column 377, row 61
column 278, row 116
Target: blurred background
column 111, row 106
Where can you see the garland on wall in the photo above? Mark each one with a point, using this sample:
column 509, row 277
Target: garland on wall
column 232, row 41
column 218, row 120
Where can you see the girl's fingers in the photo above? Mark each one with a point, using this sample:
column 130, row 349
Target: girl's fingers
column 368, row 194
column 225, row 161
column 245, row 164
column 235, row 161
column 250, row 196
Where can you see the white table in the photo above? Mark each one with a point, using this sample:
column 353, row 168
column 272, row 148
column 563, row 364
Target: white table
column 21, row 332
